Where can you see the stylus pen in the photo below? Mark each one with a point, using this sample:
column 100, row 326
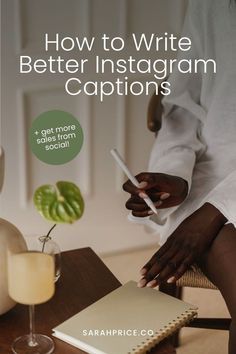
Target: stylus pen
column 134, row 180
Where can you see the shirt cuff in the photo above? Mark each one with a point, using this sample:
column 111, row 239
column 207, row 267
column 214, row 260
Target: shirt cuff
column 179, row 162
column 223, row 197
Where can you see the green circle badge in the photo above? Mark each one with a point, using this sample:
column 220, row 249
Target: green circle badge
column 56, row 137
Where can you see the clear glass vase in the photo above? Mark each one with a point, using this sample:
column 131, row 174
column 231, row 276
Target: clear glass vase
column 47, row 245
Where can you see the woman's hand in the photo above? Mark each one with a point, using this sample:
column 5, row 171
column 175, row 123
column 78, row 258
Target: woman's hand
column 164, row 190
column 186, row 244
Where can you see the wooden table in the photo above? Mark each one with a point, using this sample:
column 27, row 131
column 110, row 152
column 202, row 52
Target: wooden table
column 84, row 280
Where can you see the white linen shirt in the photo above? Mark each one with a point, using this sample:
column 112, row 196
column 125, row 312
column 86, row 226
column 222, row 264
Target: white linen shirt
column 197, row 140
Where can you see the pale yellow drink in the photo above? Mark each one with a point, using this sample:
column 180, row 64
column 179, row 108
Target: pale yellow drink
column 31, row 277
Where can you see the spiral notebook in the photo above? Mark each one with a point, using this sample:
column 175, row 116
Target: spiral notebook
column 128, row 320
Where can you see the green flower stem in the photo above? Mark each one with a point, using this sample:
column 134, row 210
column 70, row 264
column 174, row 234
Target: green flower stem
column 47, row 236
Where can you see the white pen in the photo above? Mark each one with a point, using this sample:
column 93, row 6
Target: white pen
column 134, row 180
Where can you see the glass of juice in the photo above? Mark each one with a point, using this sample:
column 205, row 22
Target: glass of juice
column 31, row 282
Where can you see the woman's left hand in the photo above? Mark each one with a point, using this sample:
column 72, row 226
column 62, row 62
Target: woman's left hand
column 186, row 244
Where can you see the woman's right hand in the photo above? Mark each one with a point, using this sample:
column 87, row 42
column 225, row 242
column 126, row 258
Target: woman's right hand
column 164, row 190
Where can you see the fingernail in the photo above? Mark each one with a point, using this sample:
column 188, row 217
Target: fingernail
column 150, row 212
column 142, row 283
column 143, row 271
column 165, row 196
column 171, row 280
column 142, row 195
column 143, row 184
column 157, row 204
column 152, row 283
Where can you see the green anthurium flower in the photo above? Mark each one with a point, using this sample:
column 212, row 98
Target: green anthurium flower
column 62, row 203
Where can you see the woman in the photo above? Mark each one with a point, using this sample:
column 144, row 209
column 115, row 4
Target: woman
column 192, row 177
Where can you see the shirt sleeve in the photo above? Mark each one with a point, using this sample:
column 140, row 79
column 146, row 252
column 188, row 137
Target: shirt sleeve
column 176, row 148
column 223, row 197
column 178, row 143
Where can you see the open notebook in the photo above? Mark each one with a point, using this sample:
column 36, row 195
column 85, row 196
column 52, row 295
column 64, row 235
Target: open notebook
column 128, row 320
